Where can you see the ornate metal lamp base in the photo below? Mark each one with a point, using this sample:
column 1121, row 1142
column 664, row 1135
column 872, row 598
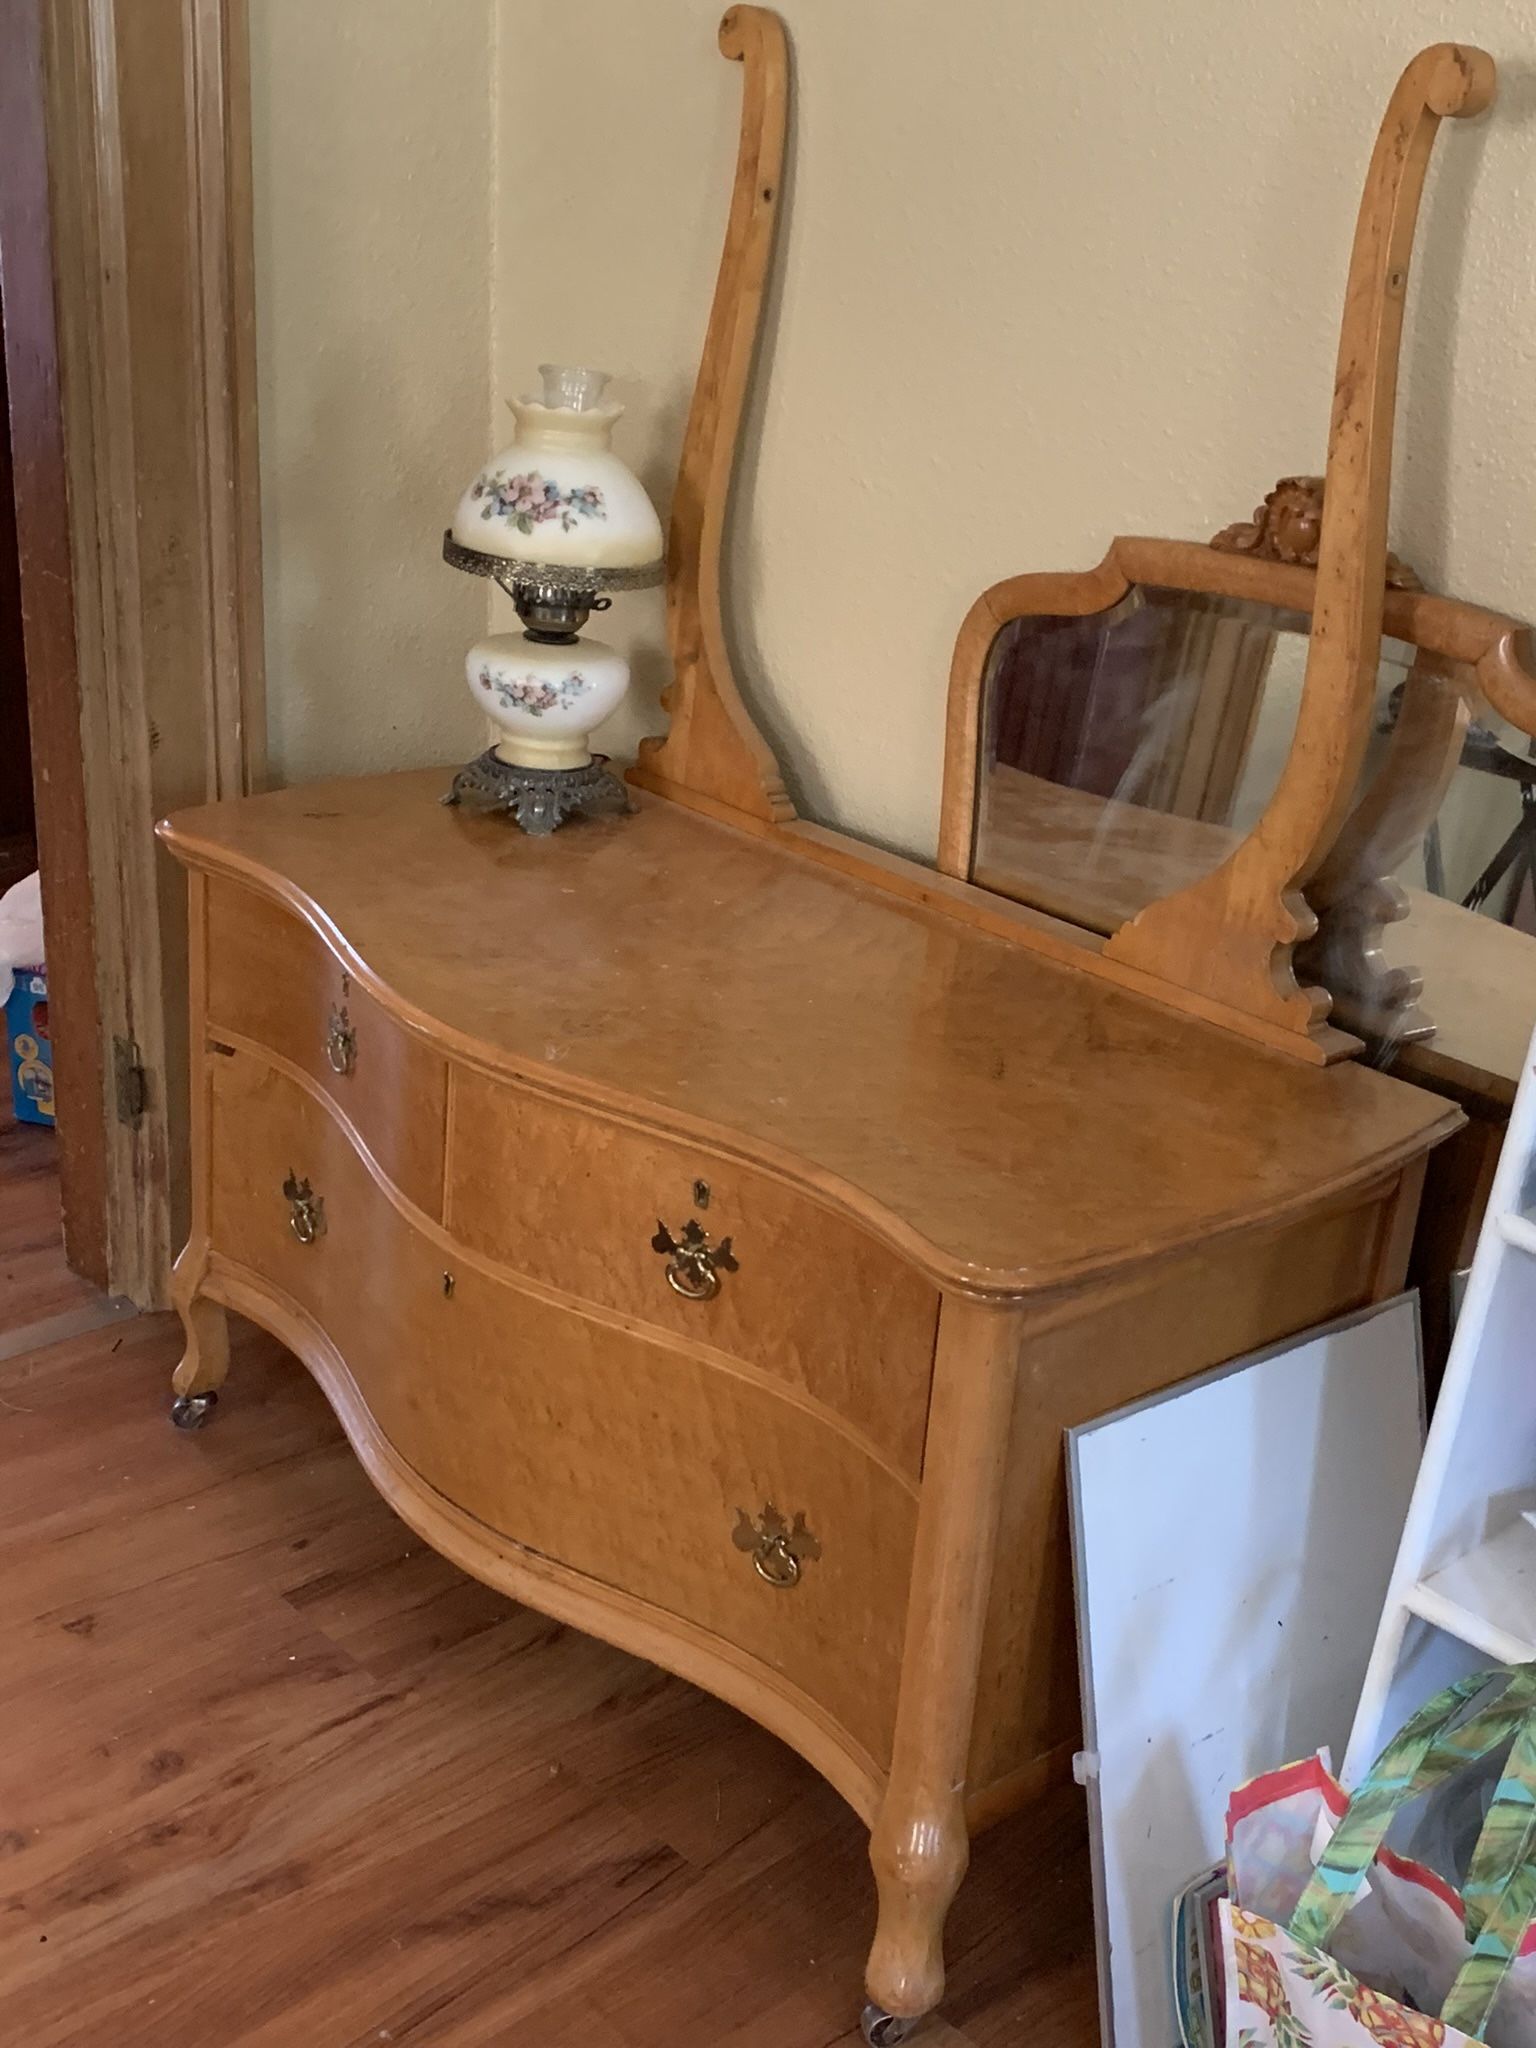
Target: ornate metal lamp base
column 539, row 798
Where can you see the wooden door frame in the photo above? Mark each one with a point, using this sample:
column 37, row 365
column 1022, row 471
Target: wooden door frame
column 125, row 222
column 43, row 548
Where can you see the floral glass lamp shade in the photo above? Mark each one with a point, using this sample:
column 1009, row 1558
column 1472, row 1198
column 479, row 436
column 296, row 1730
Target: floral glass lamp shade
column 560, row 523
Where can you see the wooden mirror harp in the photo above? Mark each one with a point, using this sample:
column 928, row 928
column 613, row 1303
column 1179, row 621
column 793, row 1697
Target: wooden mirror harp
column 1279, row 931
column 1276, row 932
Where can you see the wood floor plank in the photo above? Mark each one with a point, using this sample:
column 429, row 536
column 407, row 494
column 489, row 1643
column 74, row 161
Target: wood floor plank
column 35, row 1282
column 276, row 1776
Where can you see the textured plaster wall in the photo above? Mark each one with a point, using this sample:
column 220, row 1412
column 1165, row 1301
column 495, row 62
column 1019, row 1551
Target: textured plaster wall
column 372, row 158
column 1046, row 273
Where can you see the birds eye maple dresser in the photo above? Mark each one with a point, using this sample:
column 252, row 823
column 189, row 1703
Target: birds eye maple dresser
column 704, row 1226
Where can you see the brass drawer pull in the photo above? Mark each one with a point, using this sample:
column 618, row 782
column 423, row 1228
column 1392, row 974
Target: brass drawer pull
column 694, row 1264
column 307, row 1220
column 777, row 1549
column 341, row 1042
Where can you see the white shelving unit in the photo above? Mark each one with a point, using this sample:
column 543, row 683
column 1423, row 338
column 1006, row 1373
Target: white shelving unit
column 1463, row 1590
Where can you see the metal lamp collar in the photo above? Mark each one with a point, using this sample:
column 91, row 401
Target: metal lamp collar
column 564, row 577
column 553, row 600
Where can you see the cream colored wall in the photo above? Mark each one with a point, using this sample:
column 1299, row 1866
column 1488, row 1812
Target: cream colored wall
column 372, row 147
column 1047, row 273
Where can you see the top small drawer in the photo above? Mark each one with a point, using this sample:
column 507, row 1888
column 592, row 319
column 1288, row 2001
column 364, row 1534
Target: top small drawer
column 637, row 1223
column 273, row 983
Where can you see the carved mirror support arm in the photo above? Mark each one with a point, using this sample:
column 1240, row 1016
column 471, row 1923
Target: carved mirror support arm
column 1230, row 938
column 713, row 758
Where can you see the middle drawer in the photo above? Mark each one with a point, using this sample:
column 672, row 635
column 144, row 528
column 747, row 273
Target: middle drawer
column 580, row 1203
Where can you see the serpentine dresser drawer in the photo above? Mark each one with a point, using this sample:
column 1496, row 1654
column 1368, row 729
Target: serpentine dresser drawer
column 540, row 1422
column 700, row 1247
column 273, row 983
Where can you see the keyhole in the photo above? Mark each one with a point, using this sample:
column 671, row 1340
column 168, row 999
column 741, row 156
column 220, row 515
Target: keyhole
column 701, row 1194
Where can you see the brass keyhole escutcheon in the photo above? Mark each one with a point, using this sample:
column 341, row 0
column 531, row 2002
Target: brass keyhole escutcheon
column 778, row 1549
column 341, row 1042
column 694, row 1261
column 306, row 1217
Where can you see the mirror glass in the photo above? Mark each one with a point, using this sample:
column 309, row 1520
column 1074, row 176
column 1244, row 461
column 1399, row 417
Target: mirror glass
column 1123, row 754
column 1468, row 879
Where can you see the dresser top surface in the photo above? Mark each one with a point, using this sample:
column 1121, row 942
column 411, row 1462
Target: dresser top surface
column 1011, row 1124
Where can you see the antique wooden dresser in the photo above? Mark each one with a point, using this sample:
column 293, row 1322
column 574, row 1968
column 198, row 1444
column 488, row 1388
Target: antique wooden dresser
column 934, row 1199
column 704, row 1225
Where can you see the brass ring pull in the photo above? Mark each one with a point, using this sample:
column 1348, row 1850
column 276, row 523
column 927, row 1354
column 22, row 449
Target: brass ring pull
column 341, row 1043
column 778, row 1550
column 306, row 1209
column 694, row 1281
column 777, row 1563
column 694, row 1263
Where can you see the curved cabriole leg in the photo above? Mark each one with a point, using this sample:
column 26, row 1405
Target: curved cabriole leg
column 920, row 1844
column 919, row 1859
column 205, row 1361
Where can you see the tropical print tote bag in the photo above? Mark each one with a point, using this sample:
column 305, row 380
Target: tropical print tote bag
column 1329, row 1940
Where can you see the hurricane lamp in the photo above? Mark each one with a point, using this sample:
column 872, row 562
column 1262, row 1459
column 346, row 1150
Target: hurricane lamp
column 560, row 523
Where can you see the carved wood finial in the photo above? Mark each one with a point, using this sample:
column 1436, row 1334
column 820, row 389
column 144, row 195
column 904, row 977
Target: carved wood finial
column 1288, row 526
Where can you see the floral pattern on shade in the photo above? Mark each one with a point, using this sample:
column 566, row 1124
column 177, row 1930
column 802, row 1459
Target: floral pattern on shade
column 534, row 694
column 532, row 500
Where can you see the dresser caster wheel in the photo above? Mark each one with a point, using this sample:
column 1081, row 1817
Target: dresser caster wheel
column 882, row 2029
column 192, row 1411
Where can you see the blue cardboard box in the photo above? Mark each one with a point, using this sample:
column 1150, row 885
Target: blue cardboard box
column 26, row 1023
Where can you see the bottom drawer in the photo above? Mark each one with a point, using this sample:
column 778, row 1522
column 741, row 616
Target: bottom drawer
column 594, row 1446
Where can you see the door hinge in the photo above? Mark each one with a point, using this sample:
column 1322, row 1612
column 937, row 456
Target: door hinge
column 129, row 1081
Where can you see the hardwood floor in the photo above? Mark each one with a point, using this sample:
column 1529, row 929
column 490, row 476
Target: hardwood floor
column 275, row 1776
column 35, row 1283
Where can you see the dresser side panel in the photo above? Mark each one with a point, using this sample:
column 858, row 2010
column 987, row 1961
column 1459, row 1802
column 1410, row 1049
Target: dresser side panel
column 1113, row 1347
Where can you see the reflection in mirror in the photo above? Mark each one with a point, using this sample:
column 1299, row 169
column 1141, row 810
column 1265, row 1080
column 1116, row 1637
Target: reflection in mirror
column 1467, row 934
column 1125, row 753
column 1359, row 891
